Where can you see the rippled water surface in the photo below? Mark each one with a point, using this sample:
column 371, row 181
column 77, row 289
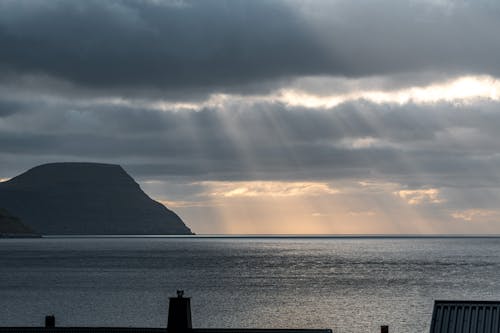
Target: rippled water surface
column 349, row 285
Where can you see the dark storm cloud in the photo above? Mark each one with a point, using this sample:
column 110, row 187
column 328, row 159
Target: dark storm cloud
column 145, row 43
column 223, row 45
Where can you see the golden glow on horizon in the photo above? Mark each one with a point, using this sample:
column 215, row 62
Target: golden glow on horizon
column 417, row 197
column 183, row 203
column 267, row 188
column 473, row 215
column 278, row 207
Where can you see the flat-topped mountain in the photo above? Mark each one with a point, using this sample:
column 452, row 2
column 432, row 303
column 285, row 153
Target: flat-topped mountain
column 11, row 226
column 86, row 198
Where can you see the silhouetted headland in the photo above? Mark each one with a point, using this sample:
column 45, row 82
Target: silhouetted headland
column 86, row 199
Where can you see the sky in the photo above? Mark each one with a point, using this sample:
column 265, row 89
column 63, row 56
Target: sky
column 265, row 117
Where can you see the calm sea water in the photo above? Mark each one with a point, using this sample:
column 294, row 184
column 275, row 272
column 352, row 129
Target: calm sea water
column 349, row 285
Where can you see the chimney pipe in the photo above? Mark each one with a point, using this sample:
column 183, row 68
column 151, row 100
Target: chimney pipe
column 50, row 321
column 179, row 313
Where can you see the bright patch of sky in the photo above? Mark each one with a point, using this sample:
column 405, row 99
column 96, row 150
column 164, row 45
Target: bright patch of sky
column 460, row 90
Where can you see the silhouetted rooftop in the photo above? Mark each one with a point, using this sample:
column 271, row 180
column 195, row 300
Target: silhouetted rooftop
column 466, row 317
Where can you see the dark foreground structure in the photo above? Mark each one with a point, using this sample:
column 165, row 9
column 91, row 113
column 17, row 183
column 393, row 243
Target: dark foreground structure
column 466, row 317
column 447, row 317
column 179, row 321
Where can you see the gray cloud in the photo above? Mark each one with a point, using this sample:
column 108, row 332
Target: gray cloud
column 10, row 107
column 442, row 144
column 154, row 44
column 239, row 45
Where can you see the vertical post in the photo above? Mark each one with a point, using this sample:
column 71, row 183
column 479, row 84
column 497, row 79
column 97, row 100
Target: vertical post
column 179, row 313
column 50, row 321
column 384, row 329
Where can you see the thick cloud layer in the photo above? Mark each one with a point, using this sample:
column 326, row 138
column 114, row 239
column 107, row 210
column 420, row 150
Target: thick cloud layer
column 156, row 44
column 223, row 45
column 444, row 143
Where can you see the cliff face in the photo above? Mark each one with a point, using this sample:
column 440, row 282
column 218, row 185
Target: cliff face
column 86, row 198
column 12, row 226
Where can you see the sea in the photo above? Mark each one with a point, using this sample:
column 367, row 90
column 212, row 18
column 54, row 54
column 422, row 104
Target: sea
column 348, row 284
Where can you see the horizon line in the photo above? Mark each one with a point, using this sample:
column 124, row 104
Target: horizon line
column 284, row 236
